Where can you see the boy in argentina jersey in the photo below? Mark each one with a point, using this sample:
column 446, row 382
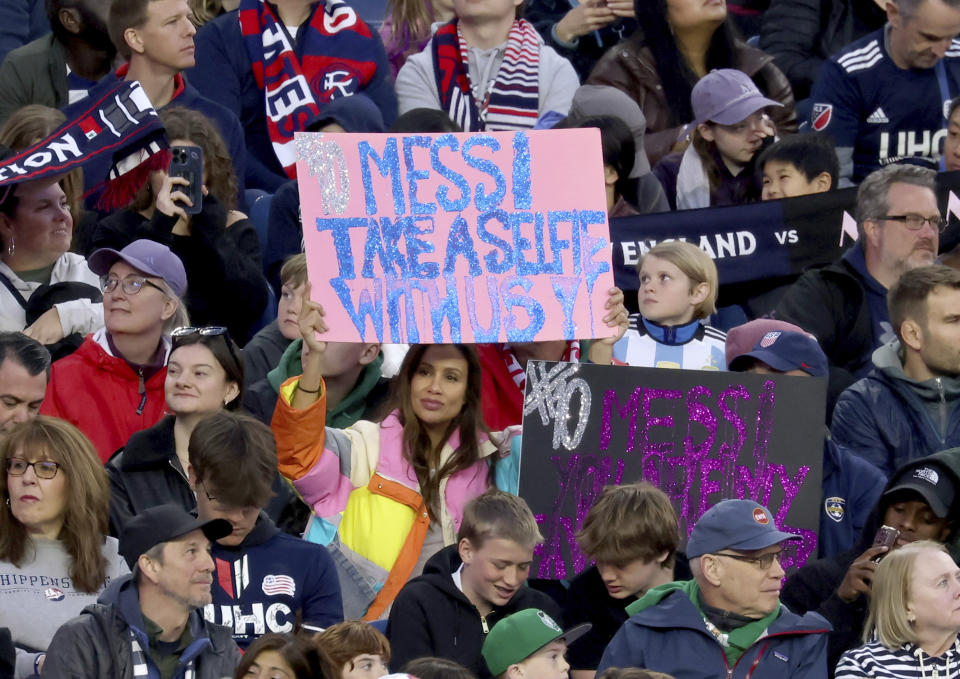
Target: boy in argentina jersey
column 883, row 97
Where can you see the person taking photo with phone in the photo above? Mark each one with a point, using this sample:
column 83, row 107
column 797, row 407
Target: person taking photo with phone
column 917, row 503
column 218, row 244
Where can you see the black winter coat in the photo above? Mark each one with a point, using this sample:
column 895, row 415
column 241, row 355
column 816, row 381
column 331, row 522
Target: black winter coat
column 97, row 642
column 431, row 617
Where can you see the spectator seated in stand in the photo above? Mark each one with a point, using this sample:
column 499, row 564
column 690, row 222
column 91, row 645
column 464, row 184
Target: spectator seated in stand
column 730, row 127
column 798, row 165
column 678, row 291
column 233, row 460
column 121, row 368
column 631, row 535
column 529, row 644
column 466, row 588
column 729, row 616
column 488, row 69
column 918, row 502
column 218, row 245
column 58, row 68
column 24, row 372
column 408, row 27
column 305, row 54
column 356, row 650
column 674, row 46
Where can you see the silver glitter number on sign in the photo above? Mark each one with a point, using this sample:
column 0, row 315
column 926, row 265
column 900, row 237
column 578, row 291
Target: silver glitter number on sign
column 326, row 162
column 551, row 393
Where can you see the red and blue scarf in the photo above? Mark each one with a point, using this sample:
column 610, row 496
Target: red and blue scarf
column 510, row 102
column 295, row 87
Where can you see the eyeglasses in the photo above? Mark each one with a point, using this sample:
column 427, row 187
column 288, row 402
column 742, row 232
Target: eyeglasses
column 131, row 285
column 764, row 561
column 179, row 334
column 44, row 469
column 915, row 222
column 206, row 492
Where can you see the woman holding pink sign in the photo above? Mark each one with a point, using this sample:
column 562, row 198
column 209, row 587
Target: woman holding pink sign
column 387, row 495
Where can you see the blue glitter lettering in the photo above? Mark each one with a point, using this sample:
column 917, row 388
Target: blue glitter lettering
column 522, row 200
column 459, row 242
column 508, row 261
column 530, row 305
column 365, row 307
column 491, row 332
column 417, row 246
column 413, row 175
column 388, row 166
column 455, row 178
column 486, row 201
column 340, row 229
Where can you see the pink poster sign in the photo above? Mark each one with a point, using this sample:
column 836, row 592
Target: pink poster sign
column 483, row 237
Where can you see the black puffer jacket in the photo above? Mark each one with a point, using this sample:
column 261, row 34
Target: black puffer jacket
column 97, row 642
column 432, row 617
column 802, row 34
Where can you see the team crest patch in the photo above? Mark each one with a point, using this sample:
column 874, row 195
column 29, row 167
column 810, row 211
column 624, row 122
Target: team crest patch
column 835, row 507
column 760, row 516
column 274, row 585
column 548, row 621
column 53, row 594
column 822, row 113
column 769, row 339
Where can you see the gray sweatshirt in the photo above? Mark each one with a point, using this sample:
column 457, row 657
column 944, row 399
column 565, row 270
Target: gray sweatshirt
column 38, row 597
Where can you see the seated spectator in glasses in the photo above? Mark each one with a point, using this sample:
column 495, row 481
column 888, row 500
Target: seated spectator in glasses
column 204, row 375
column 918, row 503
column 262, row 353
column 218, row 246
column 631, row 535
column 489, row 70
column 292, row 582
column 112, row 386
column 717, row 167
column 914, row 620
column 36, row 230
column 798, row 165
column 24, row 372
column 55, row 557
column 279, row 66
column 909, row 405
column 730, row 614
column 844, row 305
column 57, row 69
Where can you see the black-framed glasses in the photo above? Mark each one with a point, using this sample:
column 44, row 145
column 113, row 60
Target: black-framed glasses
column 764, row 561
column 201, row 484
column 179, row 334
column 131, row 285
column 44, row 469
column 915, row 222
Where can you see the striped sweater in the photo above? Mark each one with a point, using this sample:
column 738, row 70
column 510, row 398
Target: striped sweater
column 693, row 346
column 876, row 661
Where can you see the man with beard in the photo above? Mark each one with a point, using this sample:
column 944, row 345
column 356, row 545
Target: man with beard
column 149, row 623
column 844, row 305
column 906, row 408
column 59, row 68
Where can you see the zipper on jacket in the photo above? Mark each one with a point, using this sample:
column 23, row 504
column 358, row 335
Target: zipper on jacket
column 943, row 410
column 483, row 624
column 142, row 390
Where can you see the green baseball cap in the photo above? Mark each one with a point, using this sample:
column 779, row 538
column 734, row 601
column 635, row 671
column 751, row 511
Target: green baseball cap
column 520, row 635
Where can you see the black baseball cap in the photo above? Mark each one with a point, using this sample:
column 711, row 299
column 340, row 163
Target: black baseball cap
column 930, row 481
column 164, row 523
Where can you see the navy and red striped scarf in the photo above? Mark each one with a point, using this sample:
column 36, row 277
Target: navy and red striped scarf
column 510, row 102
column 296, row 87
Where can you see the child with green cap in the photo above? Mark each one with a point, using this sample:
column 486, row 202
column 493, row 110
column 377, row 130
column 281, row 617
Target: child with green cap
column 529, row 644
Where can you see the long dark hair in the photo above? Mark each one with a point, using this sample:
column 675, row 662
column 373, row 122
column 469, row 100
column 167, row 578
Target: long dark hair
column 417, row 447
column 87, row 492
column 305, row 658
column 676, row 75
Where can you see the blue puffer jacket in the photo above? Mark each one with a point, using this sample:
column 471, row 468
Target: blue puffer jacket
column 671, row 637
column 889, row 419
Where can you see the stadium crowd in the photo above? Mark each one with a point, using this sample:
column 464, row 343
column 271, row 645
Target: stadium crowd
column 197, row 484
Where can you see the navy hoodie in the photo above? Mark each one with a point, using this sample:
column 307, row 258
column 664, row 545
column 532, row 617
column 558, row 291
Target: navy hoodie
column 270, row 582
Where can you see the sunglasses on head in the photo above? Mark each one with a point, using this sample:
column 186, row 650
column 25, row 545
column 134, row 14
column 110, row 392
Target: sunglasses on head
column 179, row 334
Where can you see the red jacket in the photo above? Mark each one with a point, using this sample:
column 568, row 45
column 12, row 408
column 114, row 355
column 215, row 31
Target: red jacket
column 102, row 396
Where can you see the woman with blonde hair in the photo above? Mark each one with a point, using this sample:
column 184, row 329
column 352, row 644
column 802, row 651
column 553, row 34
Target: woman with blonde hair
column 914, row 617
column 53, row 528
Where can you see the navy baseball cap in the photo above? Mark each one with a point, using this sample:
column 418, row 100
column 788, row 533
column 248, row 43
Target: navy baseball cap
column 740, row 525
column 147, row 256
column 783, row 351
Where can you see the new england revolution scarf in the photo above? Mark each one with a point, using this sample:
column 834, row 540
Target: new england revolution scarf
column 295, row 88
column 116, row 121
column 510, row 101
